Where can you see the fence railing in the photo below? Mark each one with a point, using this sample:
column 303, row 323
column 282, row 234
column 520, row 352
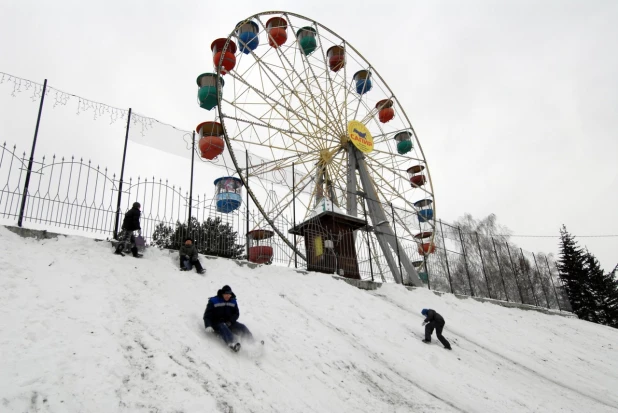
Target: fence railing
column 77, row 196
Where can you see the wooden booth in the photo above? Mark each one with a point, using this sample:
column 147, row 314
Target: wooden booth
column 329, row 243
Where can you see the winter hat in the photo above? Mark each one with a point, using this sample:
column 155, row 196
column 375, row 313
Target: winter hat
column 136, row 205
column 424, row 312
column 188, row 239
column 226, row 290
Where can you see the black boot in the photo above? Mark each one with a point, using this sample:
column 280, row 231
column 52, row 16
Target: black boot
column 198, row 267
column 135, row 254
column 119, row 248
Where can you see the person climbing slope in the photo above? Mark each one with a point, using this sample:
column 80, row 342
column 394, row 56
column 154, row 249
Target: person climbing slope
column 433, row 320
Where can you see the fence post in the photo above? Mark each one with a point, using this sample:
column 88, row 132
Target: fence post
column 563, row 293
column 553, row 285
column 191, row 183
column 247, row 190
column 31, row 160
column 369, row 243
column 538, row 274
column 523, row 259
column 463, row 248
column 395, row 231
column 500, row 269
column 478, row 243
column 124, row 158
column 513, row 268
column 294, row 212
column 448, row 271
column 427, row 270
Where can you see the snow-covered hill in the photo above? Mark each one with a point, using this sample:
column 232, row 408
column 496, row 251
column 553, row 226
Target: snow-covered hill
column 83, row 330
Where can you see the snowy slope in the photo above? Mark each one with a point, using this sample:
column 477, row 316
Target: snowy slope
column 82, row 330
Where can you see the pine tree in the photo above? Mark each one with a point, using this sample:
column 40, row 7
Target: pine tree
column 212, row 237
column 574, row 274
column 604, row 290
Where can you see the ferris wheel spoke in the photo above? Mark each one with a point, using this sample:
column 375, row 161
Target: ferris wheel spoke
column 291, row 88
column 340, row 191
column 387, row 184
column 306, row 61
column 259, row 122
column 268, row 98
column 273, row 166
column 298, row 75
column 243, row 107
column 289, row 133
column 358, row 105
column 346, row 88
column 390, row 155
column 284, row 203
column 330, row 83
column 292, row 92
column 403, row 224
column 381, row 191
column 322, row 92
column 292, row 142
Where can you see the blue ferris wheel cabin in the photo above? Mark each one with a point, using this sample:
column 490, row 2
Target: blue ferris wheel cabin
column 228, row 196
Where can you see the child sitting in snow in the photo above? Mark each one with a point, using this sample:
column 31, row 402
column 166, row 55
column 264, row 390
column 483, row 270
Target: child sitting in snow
column 189, row 257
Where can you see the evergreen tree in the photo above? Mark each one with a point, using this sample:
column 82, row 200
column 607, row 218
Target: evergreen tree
column 212, row 237
column 604, row 290
column 574, row 275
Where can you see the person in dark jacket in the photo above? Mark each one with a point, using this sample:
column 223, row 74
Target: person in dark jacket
column 221, row 317
column 434, row 320
column 129, row 226
column 189, row 257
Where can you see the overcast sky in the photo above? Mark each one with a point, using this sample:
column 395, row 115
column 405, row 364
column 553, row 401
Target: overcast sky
column 515, row 103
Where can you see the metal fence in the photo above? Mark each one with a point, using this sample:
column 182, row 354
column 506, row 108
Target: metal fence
column 75, row 196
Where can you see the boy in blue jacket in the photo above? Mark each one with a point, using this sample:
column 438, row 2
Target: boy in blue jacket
column 221, row 317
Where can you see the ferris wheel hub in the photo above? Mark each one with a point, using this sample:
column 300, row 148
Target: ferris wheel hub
column 326, row 156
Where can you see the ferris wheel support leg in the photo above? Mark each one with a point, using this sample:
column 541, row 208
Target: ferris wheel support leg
column 382, row 229
column 352, row 186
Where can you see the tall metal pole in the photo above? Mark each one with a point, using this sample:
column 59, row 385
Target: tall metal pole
column 553, row 285
column 247, row 190
column 191, row 184
column 564, row 289
column 514, row 269
column 425, row 263
column 538, row 274
column 463, row 248
column 395, row 231
column 30, row 162
column 523, row 259
column 478, row 243
column 124, row 158
column 500, row 269
column 368, row 243
column 294, row 211
column 448, row 271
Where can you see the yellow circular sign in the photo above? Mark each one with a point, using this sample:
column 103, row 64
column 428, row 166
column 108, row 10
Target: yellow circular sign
column 360, row 136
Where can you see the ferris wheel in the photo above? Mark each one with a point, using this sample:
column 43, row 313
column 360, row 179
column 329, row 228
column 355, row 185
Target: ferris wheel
column 292, row 93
